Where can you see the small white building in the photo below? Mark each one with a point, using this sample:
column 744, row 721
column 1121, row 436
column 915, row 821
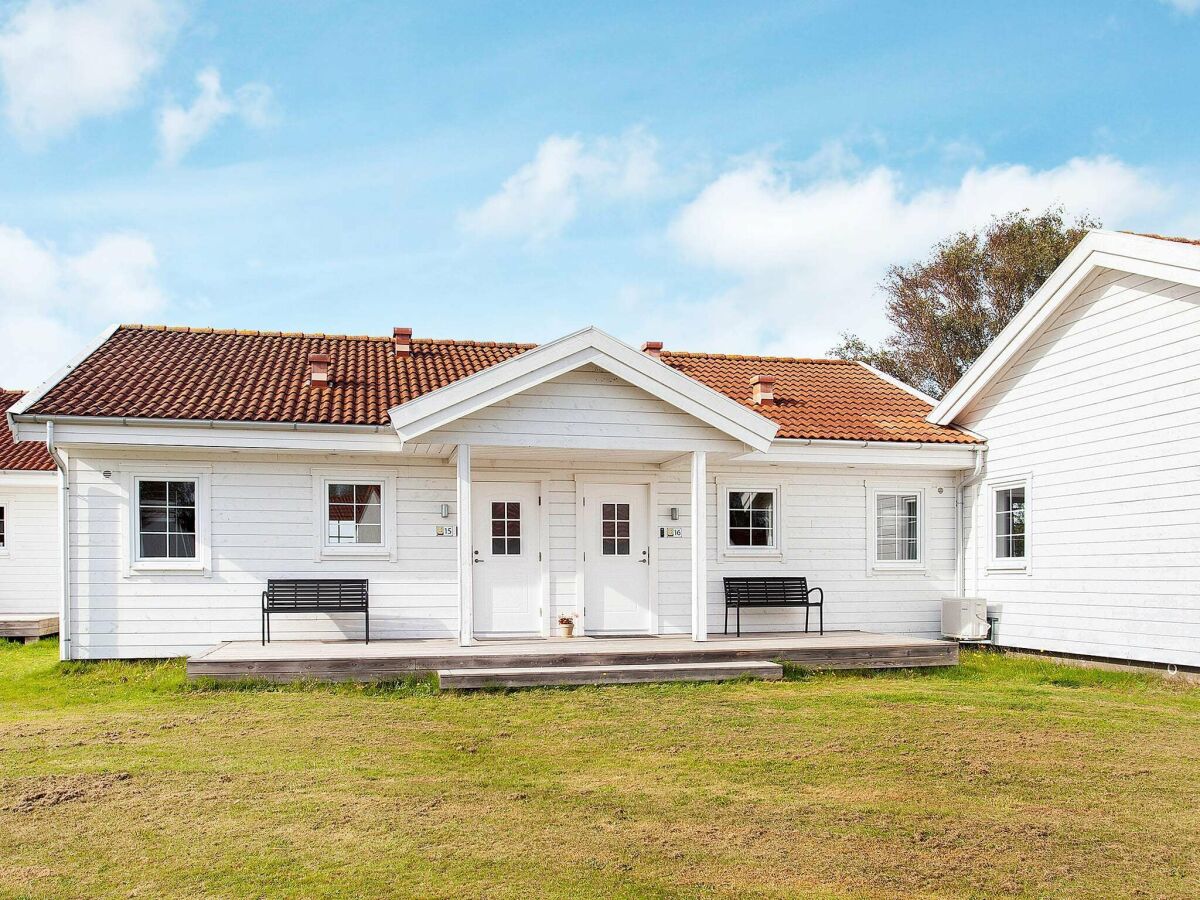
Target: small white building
column 485, row 489
column 1083, row 528
column 29, row 524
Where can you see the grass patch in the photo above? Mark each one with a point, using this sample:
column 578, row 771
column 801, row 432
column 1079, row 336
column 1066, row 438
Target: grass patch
column 1001, row 777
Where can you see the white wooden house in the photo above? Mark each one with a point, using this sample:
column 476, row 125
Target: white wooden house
column 29, row 526
column 1083, row 529
column 485, row 489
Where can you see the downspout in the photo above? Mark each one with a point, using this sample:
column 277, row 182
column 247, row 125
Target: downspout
column 960, row 555
column 64, row 525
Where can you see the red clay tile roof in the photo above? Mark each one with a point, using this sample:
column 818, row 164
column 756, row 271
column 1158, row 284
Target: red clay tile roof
column 196, row 373
column 831, row 399
column 258, row 376
column 27, row 456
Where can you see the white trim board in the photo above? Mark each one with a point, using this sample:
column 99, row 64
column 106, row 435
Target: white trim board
column 478, row 391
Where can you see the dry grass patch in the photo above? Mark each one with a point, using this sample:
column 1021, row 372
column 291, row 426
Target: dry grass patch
column 1002, row 777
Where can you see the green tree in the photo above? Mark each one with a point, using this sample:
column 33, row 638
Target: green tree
column 945, row 309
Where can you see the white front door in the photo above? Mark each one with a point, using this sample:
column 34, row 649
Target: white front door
column 616, row 559
column 507, row 574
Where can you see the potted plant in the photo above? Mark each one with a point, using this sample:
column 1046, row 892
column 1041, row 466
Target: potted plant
column 566, row 626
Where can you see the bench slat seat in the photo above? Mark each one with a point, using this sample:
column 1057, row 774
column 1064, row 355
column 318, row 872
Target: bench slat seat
column 770, row 592
column 308, row 595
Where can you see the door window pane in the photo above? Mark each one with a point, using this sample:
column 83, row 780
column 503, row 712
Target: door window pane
column 166, row 516
column 1010, row 523
column 354, row 514
column 751, row 519
column 614, row 529
column 506, row 529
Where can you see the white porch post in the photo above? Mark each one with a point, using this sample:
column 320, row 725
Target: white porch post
column 465, row 625
column 699, row 547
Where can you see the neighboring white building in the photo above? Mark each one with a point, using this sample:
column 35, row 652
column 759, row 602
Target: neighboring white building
column 1083, row 531
column 29, row 526
column 485, row 489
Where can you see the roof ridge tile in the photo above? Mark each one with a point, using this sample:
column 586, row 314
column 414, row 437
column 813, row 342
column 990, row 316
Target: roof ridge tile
column 317, row 335
column 752, row 357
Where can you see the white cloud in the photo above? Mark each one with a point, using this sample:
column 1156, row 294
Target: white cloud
column 805, row 255
column 1187, row 7
column 542, row 197
column 51, row 302
column 180, row 128
column 62, row 63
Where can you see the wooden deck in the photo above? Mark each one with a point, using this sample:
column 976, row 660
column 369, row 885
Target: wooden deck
column 382, row 660
column 28, row 627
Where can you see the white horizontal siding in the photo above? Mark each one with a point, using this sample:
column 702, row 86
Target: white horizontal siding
column 29, row 561
column 262, row 526
column 1103, row 412
column 586, row 407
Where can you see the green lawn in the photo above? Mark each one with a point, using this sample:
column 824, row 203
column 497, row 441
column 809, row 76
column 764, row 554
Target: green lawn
column 1002, row 777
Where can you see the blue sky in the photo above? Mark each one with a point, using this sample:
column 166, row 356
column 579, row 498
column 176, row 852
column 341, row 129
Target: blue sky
column 731, row 177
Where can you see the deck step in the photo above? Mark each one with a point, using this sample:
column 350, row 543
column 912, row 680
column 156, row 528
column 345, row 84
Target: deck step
column 27, row 626
column 533, row 676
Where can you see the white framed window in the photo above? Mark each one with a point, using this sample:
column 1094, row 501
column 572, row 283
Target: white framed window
column 352, row 512
column 168, row 521
column 166, row 518
column 1009, row 531
column 3, row 530
column 896, row 534
column 750, row 519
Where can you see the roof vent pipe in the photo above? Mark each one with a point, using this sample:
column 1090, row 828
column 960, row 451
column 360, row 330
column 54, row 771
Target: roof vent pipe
column 402, row 340
column 652, row 348
column 318, row 369
column 763, row 388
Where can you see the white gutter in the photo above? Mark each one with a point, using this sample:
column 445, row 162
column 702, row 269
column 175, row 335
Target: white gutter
column 783, row 443
column 960, row 550
column 199, row 423
column 64, row 527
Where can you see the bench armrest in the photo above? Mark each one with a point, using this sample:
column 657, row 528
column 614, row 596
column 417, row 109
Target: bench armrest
column 812, row 591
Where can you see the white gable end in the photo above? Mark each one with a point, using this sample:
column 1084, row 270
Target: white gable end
column 1137, row 255
column 585, row 408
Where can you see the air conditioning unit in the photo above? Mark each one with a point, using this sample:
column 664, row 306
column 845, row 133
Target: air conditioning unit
column 965, row 618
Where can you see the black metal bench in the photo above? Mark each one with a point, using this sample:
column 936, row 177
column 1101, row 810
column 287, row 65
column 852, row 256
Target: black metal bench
column 309, row 595
column 768, row 593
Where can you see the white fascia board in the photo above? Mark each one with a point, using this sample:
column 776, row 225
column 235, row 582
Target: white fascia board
column 930, row 455
column 591, row 345
column 98, row 431
column 23, row 478
column 1152, row 257
column 44, row 388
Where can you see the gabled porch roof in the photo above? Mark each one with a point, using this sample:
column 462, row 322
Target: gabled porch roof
column 588, row 346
